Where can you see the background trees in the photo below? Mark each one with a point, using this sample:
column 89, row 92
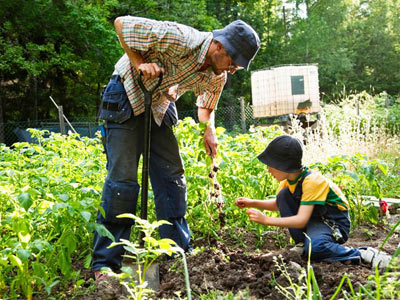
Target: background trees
column 67, row 48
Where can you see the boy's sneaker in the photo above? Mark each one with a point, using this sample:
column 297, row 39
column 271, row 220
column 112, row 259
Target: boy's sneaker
column 298, row 248
column 374, row 257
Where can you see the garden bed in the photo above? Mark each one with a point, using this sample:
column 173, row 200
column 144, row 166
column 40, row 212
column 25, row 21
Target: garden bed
column 248, row 270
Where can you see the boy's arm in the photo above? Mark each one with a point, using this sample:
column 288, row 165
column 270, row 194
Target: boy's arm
column 298, row 221
column 243, row 202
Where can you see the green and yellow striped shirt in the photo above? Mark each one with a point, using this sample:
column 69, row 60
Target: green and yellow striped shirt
column 181, row 50
column 317, row 190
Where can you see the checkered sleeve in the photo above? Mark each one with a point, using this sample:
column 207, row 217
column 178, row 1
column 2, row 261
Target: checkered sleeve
column 208, row 98
column 142, row 34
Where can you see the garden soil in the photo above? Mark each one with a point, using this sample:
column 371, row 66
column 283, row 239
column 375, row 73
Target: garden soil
column 253, row 267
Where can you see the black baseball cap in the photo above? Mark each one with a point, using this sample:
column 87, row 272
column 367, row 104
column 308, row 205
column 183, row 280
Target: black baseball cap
column 240, row 41
column 284, row 153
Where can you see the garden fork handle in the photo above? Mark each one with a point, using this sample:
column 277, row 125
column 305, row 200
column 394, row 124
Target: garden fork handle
column 147, row 92
column 146, row 147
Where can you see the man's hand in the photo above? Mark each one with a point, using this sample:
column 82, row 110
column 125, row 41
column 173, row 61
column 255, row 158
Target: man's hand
column 210, row 138
column 257, row 216
column 210, row 141
column 150, row 70
column 242, row 202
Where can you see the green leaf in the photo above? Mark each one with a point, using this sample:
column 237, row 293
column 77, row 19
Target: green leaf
column 51, row 285
column 64, row 197
column 25, row 200
column 64, row 262
column 69, row 241
column 103, row 231
column 24, row 254
column 127, row 270
column 16, row 261
column 86, row 215
column 152, row 241
column 352, row 175
column 87, row 261
column 383, row 168
column 130, row 216
column 79, row 282
column 24, row 238
column 102, row 212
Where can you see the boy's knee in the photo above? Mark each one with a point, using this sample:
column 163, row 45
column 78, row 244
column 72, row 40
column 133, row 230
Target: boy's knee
column 318, row 247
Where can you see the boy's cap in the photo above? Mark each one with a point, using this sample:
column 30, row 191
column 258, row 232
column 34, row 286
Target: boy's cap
column 240, row 41
column 284, row 153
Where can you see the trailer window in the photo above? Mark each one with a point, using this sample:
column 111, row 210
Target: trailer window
column 297, row 85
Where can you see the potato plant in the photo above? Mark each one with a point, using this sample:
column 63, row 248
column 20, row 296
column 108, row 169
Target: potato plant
column 50, row 192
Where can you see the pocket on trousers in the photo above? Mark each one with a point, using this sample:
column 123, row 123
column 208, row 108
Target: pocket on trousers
column 176, row 190
column 119, row 198
column 115, row 107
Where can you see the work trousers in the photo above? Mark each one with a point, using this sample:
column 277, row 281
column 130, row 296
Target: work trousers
column 324, row 247
column 124, row 141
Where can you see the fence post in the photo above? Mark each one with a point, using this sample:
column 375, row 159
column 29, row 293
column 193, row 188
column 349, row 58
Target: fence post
column 242, row 114
column 61, row 118
column 387, row 101
column 358, row 107
column 90, row 129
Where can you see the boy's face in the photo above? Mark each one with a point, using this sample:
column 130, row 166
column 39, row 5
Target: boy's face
column 278, row 175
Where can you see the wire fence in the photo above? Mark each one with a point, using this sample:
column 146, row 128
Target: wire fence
column 233, row 118
column 12, row 132
column 229, row 117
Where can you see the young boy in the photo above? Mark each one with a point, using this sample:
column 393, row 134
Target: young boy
column 308, row 204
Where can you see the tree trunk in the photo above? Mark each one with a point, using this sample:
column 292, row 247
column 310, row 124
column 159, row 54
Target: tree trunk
column 2, row 138
column 35, row 97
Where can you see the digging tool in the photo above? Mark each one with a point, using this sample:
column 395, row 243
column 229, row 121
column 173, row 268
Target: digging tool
column 146, row 152
column 153, row 273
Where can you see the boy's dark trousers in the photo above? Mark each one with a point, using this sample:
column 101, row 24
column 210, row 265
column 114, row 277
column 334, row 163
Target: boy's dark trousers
column 323, row 245
column 124, row 144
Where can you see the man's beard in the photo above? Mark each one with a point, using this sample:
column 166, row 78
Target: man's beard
column 215, row 70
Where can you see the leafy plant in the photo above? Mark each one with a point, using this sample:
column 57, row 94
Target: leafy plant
column 358, row 177
column 49, row 193
column 145, row 257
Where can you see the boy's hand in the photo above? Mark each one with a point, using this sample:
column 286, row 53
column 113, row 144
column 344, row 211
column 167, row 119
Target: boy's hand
column 242, row 202
column 256, row 216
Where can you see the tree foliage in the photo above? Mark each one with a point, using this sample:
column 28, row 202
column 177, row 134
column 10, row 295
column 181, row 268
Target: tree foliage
column 67, row 48
column 355, row 43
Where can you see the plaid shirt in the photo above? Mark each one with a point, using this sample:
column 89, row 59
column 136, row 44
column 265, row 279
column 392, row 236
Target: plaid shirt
column 181, row 50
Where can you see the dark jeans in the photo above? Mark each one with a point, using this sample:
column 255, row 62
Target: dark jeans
column 323, row 245
column 124, row 146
